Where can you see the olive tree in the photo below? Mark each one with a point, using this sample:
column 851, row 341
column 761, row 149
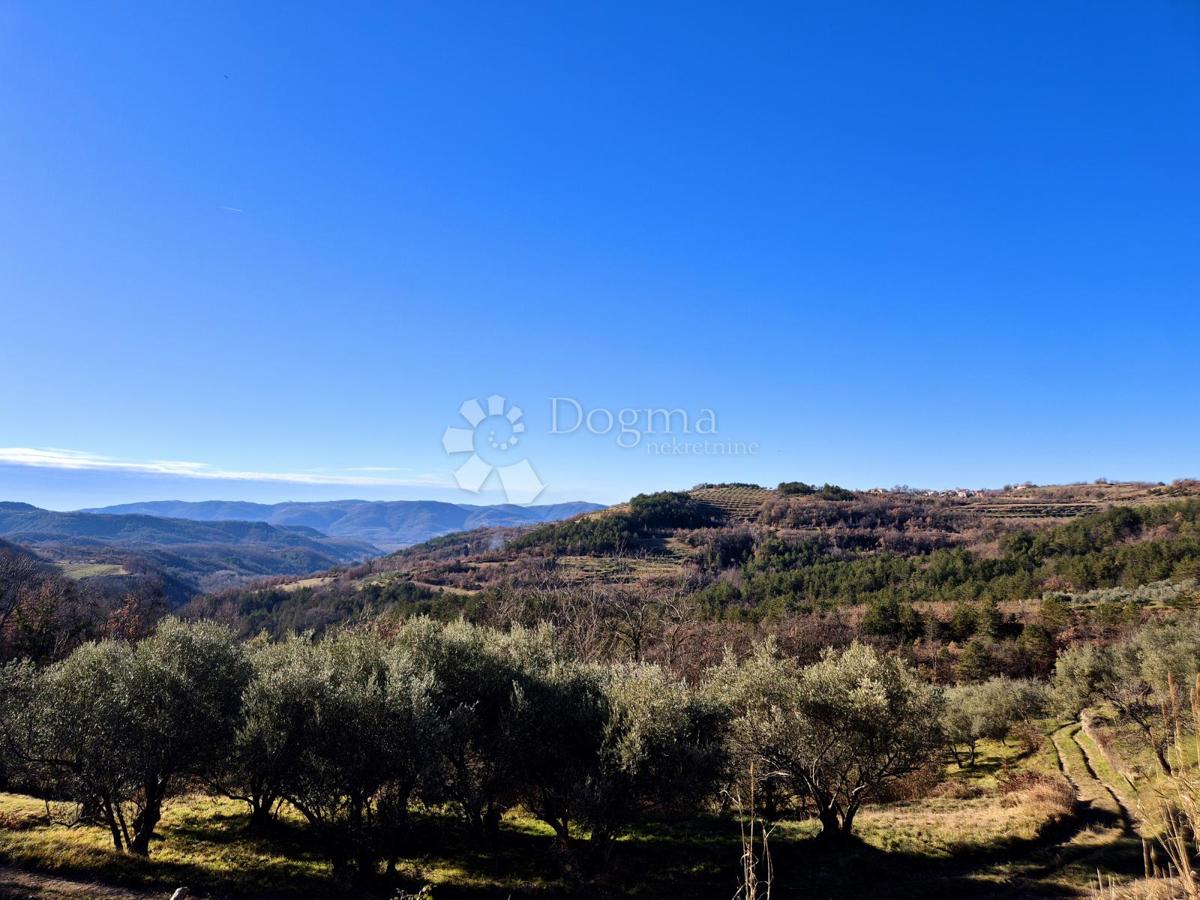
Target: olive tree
column 558, row 731
column 17, row 681
column 662, row 750
column 121, row 727
column 1132, row 675
column 835, row 732
column 367, row 736
column 606, row 748
column 987, row 709
column 475, row 675
column 277, row 708
column 756, row 691
column 185, row 688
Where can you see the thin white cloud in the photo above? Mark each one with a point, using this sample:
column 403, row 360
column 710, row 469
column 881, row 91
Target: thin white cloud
column 232, row 209
column 79, row 460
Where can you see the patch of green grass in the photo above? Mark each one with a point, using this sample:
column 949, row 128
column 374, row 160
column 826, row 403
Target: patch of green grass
column 201, row 842
column 993, row 760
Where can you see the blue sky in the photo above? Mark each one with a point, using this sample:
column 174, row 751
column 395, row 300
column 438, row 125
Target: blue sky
column 939, row 243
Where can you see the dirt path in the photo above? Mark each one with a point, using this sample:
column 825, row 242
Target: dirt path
column 1080, row 770
column 1105, row 837
column 17, row 883
column 1092, row 751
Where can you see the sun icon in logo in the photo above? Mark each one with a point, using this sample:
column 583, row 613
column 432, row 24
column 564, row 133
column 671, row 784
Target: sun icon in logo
column 495, row 431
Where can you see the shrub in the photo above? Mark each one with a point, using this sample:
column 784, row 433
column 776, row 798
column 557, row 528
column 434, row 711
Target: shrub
column 888, row 617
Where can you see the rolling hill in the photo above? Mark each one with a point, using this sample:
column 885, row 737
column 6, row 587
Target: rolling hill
column 187, row 556
column 389, row 525
column 743, row 553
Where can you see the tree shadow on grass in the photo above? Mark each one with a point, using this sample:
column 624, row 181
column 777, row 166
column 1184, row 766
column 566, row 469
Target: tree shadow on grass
column 700, row 859
column 693, row 858
column 709, row 869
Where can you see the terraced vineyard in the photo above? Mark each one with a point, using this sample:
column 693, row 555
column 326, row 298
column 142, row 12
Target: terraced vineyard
column 1024, row 510
column 1067, row 501
column 623, row 570
column 739, row 504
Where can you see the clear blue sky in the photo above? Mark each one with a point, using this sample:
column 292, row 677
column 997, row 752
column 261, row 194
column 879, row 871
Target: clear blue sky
column 937, row 243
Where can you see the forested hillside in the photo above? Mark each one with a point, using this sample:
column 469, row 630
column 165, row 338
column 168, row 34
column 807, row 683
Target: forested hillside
column 966, row 575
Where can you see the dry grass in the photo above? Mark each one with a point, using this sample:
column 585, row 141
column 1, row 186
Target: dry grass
column 618, row 569
column 1107, row 888
column 1008, row 796
column 302, row 583
column 947, row 827
column 77, row 571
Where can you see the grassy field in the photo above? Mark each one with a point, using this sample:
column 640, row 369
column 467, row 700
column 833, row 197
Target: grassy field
column 79, row 570
column 316, row 581
column 202, row 844
column 988, row 831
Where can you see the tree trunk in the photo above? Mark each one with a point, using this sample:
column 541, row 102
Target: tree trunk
column 491, row 823
column 111, row 818
column 770, row 798
column 565, row 844
column 141, row 842
column 121, row 822
column 147, row 820
column 562, row 833
column 261, row 814
column 848, row 821
column 1160, row 747
column 600, row 848
column 830, row 824
column 1160, row 753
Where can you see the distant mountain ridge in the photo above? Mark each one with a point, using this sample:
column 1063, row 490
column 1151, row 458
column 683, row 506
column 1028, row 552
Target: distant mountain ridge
column 388, row 524
column 32, row 525
column 192, row 556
